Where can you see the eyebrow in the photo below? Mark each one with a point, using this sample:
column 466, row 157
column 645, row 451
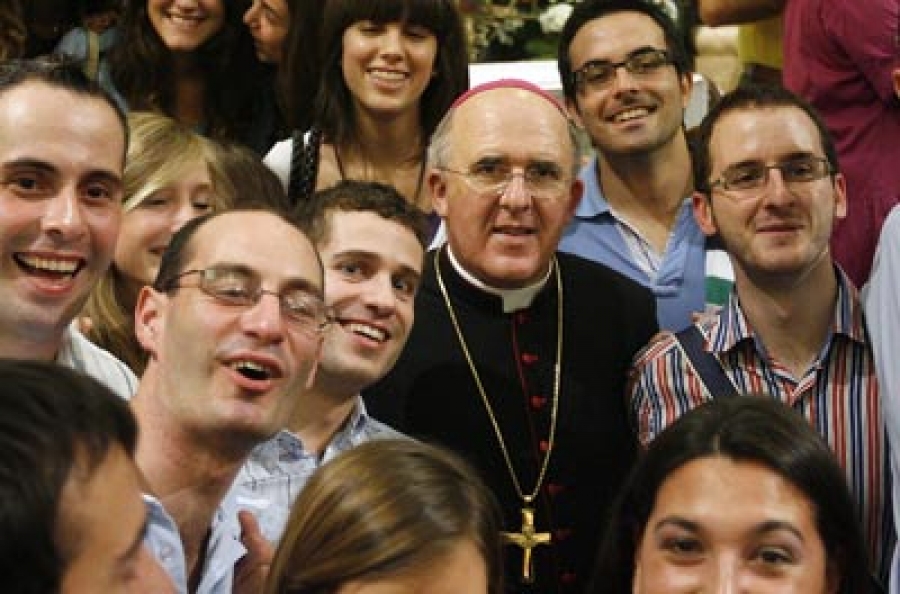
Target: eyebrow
column 298, row 283
column 631, row 54
column 766, row 527
column 45, row 167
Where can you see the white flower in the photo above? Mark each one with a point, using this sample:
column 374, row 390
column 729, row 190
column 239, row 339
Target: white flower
column 553, row 19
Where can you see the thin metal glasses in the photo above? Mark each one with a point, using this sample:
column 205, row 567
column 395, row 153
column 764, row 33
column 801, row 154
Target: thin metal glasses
column 239, row 287
column 746, row 179
column 599, row 74
column 543, row 180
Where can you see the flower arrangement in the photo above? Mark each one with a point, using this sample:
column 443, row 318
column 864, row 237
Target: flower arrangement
column 507, row 30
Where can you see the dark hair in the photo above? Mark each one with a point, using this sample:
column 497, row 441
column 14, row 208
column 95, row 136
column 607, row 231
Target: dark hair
column 141, row 68
column 745, row 98
column 382, row 509
column 588, row 10
column 361, row 196
column 252, row 183
column 56, row 426
column 334, row 111
column 60, row 72
column 300, row 72
column 179, row 249
column 752, row 428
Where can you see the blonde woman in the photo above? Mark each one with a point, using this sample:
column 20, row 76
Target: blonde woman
column 172, row 175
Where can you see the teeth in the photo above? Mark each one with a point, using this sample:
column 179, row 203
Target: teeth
column 632, row 114
column 368, row 331
column 388, row 74
column 251, row 369
column 60, row 266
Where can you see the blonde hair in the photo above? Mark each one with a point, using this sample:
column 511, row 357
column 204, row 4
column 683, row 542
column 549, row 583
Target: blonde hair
column 160, row 150
column 382, row 509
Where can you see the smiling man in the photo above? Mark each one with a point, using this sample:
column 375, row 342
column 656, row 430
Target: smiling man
column 62, row 150
column 627, row 81
column 768, row 183
column 233, row 326
column 371, row 241
column 519, row 355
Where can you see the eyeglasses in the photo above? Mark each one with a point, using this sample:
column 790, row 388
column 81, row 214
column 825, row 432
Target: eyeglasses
column 747, row 177
column 237, row 287
column 543, row 180
column 599, row 74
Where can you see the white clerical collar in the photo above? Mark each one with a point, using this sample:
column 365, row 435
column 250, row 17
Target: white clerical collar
column 513, row 299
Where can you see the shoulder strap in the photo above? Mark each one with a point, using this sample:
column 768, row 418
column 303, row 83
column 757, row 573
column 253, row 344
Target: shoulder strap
column 304, row 165
column 705, row 364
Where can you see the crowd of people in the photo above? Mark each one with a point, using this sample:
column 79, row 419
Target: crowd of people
column 290, row 308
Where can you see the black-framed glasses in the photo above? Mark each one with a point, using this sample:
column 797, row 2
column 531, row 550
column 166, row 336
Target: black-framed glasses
column 542, row 180
column 599, row 74
column 747, row 178
column 238, row 287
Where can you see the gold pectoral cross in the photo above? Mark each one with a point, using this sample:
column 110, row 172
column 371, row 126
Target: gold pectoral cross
column 527, row 539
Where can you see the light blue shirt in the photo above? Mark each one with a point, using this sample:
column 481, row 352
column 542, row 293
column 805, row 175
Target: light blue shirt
column 881, row 299
column 680, row 285
column 277, row 469
column 224, row 550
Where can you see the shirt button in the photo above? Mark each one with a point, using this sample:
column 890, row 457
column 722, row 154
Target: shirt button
column 555, row 489
column 538, row 402
column 544, row 445
column 529, row 358
column 568, row 578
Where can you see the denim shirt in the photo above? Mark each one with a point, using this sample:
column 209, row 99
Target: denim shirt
column 277, row 469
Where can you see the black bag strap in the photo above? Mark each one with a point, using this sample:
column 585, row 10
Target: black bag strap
column 705, row 364
column 304, row 165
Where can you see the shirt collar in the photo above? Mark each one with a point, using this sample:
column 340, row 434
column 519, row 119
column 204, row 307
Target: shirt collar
column 513, row 299
column 733, row 327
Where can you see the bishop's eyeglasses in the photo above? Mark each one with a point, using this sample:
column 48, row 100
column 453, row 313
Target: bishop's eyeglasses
column 239, row 287
column 543, row 180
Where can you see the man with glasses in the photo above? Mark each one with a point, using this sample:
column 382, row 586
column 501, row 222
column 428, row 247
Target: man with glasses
column 519, row 355
column 768, row 184
column 372, row 242
column 233, row 327
column 627, row 81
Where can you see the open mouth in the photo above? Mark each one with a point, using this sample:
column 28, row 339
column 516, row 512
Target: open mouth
column 49, row 267
column 253, row 370
column 631, row 114
column 367, row 331
column 388, row 75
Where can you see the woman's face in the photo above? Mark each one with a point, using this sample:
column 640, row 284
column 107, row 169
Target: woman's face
column 461, row 571
column 148, row 227
column 387, row 66
column 185, row 25
column 269, row 21
column 723, row 526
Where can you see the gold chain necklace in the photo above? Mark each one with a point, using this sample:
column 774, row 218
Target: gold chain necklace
column 527, row 538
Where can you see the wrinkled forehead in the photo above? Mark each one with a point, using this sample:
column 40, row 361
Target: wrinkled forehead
column 261, row 242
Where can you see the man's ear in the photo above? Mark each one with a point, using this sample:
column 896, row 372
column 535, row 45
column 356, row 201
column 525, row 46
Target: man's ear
column 437, row 185
column 574, row 113
column 148, row 318
column 703, row 213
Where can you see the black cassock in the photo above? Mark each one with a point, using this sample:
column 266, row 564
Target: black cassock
column 431, row 394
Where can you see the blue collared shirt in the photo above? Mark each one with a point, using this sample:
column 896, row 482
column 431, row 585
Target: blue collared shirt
column 680, row 285
column 224, row 550
column 277, row 469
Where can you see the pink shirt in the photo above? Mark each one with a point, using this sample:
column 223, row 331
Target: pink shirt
column 838, row 55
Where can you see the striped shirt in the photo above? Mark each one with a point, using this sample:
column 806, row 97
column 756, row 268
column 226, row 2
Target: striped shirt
column 838, row 394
